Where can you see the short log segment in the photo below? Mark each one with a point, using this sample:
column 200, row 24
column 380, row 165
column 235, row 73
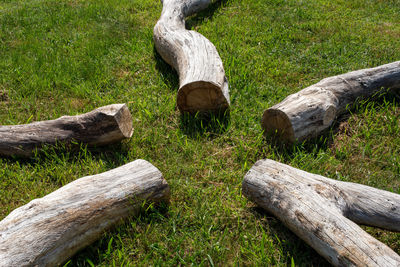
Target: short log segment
column 324, row 212
column 203, row 86
column 49, row 230
column 307, row 113
column 101, row 126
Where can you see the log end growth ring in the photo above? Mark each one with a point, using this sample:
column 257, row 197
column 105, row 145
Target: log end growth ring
column 201, row 96
column 276, row 122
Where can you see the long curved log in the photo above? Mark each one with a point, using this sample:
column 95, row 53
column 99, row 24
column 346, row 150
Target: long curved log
column 49, row 230
column 324, row 212
column 105, row 125
column 307, row 113
column 203, row 86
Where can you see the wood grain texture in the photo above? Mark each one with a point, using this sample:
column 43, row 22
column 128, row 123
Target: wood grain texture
column 324, row 212
column 203, row 86
column 307, row 113
column 101, row 126
column 49, row 230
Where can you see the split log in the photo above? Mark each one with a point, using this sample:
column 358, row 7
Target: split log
column 203, row 86
column 101, row 126
column 49, row 230
column 324, row 212
column 307, row 113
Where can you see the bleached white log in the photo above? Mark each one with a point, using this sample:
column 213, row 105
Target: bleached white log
column 307, row 113
column 324, row 212
column 203, row 86
column 49, row 230
column 105, row 125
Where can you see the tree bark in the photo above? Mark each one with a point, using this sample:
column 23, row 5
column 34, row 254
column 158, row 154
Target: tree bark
column 324, row 212
column 101, row 126
column 203, row 86
column 49, row 230
column 307, row 113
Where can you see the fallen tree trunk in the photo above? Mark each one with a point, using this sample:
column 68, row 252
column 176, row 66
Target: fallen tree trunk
column 321, row 211
column 101, row 126
column 49, row 230
column 307, row 113
column 203, row 86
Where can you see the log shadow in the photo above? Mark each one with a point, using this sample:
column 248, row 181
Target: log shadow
column 112, row 155
column 168, row 74
column 292, row 246
column 207, row 125
column 206, row 14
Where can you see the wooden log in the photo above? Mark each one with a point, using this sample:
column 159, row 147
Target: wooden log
column 49, row 230
column 307, row 113
column 324, row 212
column 101, row 126
column 203, row 86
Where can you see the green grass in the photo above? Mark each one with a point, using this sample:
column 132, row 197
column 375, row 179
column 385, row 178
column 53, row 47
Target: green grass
column 68, row 57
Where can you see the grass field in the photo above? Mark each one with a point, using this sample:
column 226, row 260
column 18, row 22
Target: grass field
column 61, row 57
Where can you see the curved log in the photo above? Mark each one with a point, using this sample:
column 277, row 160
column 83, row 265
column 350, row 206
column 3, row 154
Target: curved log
column 324, row 212
column 203, row 86
column 49, row 230
column 307, row 113
column 101, row 126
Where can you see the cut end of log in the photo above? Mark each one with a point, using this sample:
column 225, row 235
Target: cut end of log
column 276, row 122
column 201, row 96
column 122, row 117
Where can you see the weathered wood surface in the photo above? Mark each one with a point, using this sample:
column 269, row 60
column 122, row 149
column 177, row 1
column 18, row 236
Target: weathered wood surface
column 324, row 212
column 105, row 125
column 307, row 113
column 49, row 230
column 203, row 86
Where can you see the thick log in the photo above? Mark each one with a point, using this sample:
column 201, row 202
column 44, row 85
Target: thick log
column 49, row 230
column 203, row 86
column 101, row 126
column 324, row 212
column 307, row 113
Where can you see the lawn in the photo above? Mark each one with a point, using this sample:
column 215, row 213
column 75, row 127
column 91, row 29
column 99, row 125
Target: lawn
column 65, row 57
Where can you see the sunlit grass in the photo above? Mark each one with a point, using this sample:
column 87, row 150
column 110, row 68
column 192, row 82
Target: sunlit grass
column 68, row 57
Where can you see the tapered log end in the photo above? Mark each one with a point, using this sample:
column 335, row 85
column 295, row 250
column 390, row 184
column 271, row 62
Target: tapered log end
column 122, row 116
column 276, row 123
column 202, row 97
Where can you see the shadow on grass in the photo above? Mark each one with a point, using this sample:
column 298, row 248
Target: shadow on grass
column 206, row 14
column 101, row 249
column 113, row 155
column 207, row 125
column 293, row 246
column 167, row 73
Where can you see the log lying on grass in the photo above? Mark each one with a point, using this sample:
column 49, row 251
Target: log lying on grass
column 203, row 86
column 49, row 230
column 101, row 126
column 324, row 212
column 307, row 113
